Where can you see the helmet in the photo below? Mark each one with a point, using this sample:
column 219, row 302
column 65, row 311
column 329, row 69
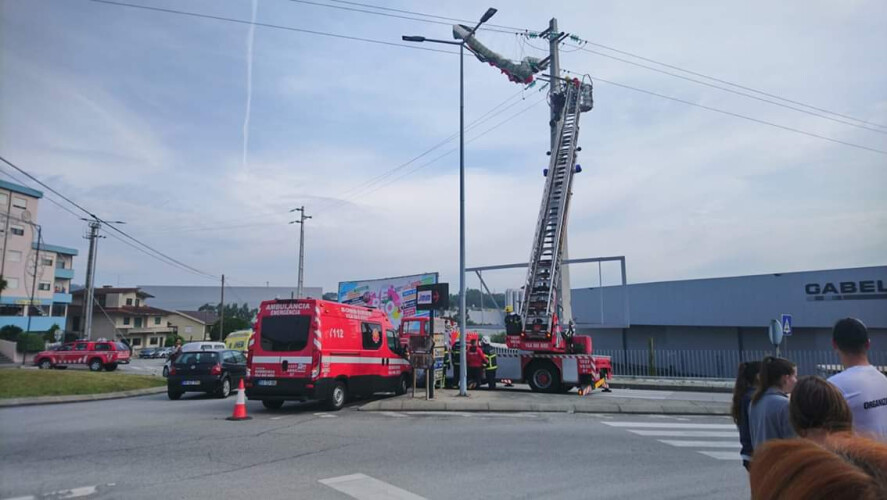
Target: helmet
column 509, row 309
column 485, row 341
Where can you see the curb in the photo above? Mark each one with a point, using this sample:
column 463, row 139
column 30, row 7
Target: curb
column 667, row 387
column 608, row 406
column 79, row 398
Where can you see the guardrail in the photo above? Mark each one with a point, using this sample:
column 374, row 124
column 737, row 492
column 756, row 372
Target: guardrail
column 720, row 363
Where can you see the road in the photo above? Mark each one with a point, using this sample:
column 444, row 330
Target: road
column 149, row 446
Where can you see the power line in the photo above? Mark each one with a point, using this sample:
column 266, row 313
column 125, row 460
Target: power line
column 486, row 26
column 737, row 92
column 274, row 26
column 737, row 115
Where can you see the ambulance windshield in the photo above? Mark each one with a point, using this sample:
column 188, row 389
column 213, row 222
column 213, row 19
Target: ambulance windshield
column 284, row 333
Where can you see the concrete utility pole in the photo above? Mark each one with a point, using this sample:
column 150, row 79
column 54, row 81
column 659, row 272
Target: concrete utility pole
column 222, row 312
column 88, row 297
column 301, row 223
column 8, row 208
column 36, row 274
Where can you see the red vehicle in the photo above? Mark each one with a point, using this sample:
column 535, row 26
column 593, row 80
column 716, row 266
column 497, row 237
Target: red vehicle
column 97, row 355
column 316, row 349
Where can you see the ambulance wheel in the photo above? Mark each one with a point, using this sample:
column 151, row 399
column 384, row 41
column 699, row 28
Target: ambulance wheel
column 337, row 398
column 45, row 364
column 543, row 377
column 272, row 404
column 402, row 386
column 95, row 365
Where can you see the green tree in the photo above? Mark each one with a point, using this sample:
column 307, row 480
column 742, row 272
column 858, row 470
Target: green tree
column 10, row 332
column 49, row 336
column 231, row 324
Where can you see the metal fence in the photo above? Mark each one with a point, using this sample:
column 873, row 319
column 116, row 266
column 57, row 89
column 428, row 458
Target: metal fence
column 720, row 364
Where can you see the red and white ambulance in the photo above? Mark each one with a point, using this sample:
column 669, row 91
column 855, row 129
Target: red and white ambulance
column 316, row 349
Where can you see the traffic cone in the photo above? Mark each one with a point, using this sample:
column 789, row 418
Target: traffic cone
column 240, row 405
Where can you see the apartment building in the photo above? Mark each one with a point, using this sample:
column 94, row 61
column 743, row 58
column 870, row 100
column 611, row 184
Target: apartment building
column 37, row 274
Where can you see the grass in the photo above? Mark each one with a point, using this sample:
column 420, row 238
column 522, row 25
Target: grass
column 16, row 383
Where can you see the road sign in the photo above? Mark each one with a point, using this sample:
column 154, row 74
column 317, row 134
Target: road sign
column 433, row 297
column 775, row 332
column 786, row 321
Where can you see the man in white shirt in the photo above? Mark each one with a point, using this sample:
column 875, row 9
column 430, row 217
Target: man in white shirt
column 863, row 386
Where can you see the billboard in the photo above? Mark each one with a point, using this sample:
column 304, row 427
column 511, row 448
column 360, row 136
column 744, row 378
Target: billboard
column 395, row 296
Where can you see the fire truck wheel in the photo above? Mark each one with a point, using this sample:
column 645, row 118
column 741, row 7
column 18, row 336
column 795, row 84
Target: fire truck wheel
column 337, row 397
column 224, row 388
column 402, row 386
column 543, row 377
column 95, row 365
column 271, row 404
column 111, row 367
column 45, row 364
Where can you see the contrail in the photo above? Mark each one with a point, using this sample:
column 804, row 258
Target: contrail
column 249, row 80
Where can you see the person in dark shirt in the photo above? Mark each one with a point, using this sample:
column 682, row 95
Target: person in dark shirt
column 742, row 394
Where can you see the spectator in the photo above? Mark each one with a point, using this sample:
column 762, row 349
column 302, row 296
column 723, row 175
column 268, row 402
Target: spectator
column 768, row 411
column 799, row 469
column 742, row 394
column 863, row 386
column 817, row 410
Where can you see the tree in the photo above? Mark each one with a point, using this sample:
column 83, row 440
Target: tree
column 172, row 338
column 49, row 336
column 231, row 324
column 232, row 310
column 10, row 332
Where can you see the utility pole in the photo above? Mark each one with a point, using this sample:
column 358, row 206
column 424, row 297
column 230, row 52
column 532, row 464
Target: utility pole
column 222, row 313
column 88, row 299
column 301, row 223
column 36, row 275
column 8, row 208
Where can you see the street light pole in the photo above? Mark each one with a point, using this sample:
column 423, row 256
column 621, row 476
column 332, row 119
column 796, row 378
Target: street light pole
column 463, row 367
column 301, row 223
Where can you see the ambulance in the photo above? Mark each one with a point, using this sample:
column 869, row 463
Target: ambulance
column 320, row 350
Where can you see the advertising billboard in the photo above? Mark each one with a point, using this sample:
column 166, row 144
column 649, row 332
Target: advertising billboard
column 396, row 296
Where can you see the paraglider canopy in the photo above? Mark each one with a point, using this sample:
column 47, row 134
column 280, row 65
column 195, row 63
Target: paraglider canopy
column 518, row 72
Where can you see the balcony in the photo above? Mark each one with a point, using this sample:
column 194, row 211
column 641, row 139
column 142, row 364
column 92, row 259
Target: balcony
column 64, row 273
column 62, row 298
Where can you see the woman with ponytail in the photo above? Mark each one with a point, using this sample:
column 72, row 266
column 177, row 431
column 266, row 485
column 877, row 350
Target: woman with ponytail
column 768, row 414
column 742, row 394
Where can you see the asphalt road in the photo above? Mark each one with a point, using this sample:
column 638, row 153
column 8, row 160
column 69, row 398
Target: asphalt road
column 149, row 447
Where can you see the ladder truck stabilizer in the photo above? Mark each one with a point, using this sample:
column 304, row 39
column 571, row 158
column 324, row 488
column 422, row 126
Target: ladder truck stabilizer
column 552, row 359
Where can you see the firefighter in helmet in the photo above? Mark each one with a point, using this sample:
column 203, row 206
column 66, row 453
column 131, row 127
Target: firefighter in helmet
column 512, row 322
column 490, row 366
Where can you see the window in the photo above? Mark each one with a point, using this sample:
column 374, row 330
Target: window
column 126, row 320
column 138, row 323
column 19, row 202
column 196, row 358
column 157, row 320
column 137, row 302
column 102, row 347
column 45, row 262
column 17, row 230
column 372, row 335
column 129, row 302
column 284, row 333
column 13, row 256
column 60, row 264
column 4, row 199
column 11, row 310
column 153, row 341
column 136, row 341
column 81, row 346
column 12, row 283
column 44, row 286
column 228, row 357
column 240, row 358
column 393, row 342
column 58, row 310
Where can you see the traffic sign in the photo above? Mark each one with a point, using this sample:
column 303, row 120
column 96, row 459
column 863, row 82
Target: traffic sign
column 786, row 321
column 775, row 332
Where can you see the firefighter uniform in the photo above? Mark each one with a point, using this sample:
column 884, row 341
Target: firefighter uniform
column 456, row 355
column 491, row 366
column 512, row 322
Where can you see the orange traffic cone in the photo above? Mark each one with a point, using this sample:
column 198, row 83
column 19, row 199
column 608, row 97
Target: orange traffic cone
column 240, row 405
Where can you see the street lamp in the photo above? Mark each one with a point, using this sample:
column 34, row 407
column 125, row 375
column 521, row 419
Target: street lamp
column 463, row 367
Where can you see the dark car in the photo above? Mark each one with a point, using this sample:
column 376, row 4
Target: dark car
column 147, row 353
column 213, row 372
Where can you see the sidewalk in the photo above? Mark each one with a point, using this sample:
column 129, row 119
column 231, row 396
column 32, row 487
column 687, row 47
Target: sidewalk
column 666, row 384
column 525, row 401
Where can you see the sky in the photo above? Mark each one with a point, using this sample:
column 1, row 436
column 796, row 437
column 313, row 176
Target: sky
column 140, row 116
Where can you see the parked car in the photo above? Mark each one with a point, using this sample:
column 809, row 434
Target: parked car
column 203, row 346
column 163, row 352
column 147, row 353
column 213, row 372
column 97, row 355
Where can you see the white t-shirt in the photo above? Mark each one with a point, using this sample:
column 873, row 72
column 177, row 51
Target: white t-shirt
column 865, row 389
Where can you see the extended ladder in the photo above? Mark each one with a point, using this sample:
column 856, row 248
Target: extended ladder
column 541, row 299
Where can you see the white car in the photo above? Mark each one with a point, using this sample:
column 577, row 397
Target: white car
column 192, row 347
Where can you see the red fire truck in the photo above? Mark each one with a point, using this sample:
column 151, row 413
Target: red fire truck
column 317, row 349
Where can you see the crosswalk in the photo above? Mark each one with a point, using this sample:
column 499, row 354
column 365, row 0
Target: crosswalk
column 711, row 440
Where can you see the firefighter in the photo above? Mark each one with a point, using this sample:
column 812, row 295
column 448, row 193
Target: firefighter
column 476, row 361
column 456, row 356
column 490, row 366
column 512, row 322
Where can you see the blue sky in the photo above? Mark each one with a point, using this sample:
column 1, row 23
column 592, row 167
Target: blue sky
column 138, row 115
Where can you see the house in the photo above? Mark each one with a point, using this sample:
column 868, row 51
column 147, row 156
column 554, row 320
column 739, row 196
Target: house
column 193, row 325
column 37, row 274
column 124, row 314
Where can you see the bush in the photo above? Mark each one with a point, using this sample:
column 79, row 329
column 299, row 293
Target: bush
column 10, row 332
column 171, row 340
column 498, row 338
column 30, row 342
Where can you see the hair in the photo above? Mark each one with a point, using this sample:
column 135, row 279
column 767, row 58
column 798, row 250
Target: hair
column 853, row 468
column 850, row 336
column 817, row 404
column 772, row 371
column 746, row 376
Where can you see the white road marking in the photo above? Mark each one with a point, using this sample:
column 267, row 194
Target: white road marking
column 722, row 455
column 277, row 418
column 702, row 444
column 324, row 415
column 393, row 414
column 701, row 434
column 82, row 491
column 363, row 487
column 669, row 425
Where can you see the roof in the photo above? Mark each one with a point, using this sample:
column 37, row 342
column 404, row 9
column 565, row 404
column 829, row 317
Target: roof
column 55, row 248
column 137, row 311
column 107, row 289
column 18, row 188
column 205, row 317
